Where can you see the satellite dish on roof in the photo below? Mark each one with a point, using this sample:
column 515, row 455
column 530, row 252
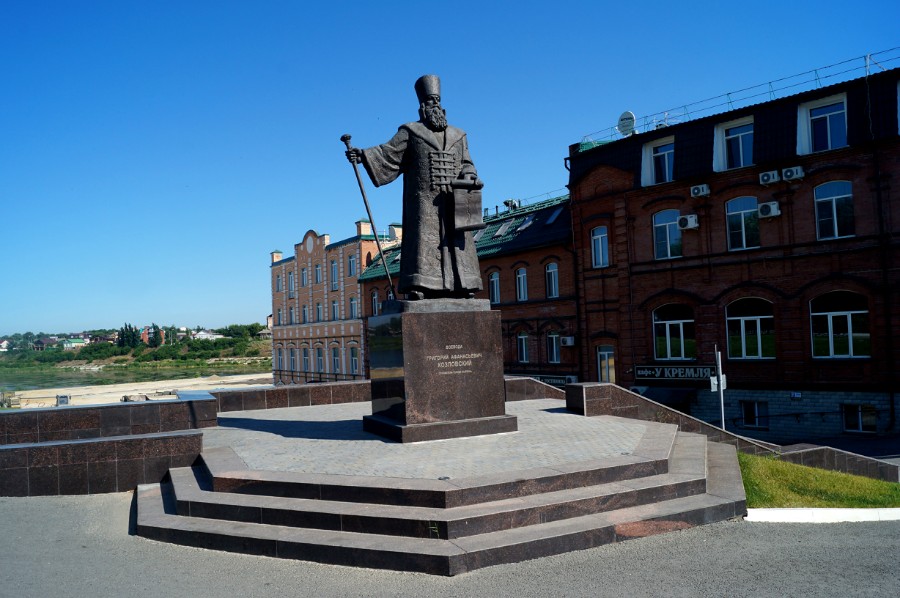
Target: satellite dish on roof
column 625, row 127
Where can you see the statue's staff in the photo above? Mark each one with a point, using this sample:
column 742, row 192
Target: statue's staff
column 346, row 139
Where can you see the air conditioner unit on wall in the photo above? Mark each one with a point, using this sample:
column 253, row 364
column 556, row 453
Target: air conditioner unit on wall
column 769, row 177
column 792, row 173
column 768, row 209
column 699, row 190
column 688, row 222
column 567, row 341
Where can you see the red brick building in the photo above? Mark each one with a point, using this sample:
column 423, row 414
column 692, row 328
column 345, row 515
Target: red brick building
column 528, row 273
column 770, row 231
column 317, row 303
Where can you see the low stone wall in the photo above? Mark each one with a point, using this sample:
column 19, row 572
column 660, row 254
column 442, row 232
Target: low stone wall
column 299, row 395
column 102, row 448
column 596, row 398
column 99, row 421
column 327, row 393
column 95, row 465
column 524, row 389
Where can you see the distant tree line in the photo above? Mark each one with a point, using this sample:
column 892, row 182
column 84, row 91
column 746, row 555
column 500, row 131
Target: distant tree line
column 163, row 344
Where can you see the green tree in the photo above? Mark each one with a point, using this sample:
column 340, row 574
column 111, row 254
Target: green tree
column 154, row 338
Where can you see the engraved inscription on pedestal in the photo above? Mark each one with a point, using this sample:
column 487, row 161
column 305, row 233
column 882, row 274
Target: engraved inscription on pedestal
column 439, row 368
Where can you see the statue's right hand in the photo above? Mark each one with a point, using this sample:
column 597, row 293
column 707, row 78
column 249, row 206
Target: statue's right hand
column 354, row 155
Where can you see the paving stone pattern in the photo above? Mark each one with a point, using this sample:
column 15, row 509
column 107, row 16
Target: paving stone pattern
column 326, row 439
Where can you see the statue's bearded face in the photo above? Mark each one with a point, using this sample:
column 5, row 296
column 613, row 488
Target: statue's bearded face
column 433, row 115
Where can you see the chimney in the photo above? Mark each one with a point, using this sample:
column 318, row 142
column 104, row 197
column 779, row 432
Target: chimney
column 276, row 256
column 363, row 227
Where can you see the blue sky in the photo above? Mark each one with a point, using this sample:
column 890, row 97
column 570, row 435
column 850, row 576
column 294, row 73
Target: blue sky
column 152, row 154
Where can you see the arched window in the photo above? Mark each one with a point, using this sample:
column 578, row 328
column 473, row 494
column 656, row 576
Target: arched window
column 673, row 332
column 839, row 323
column 521, row 285
column 599, row 247
column 305, row 314
column 291, row 315
column 751, row 329
column 351, row 265
column 834, row 210
column 552, row 275
column 354, row 308
column 494, row 287
column 375, row 303
column 743, row 223
column 666, row 235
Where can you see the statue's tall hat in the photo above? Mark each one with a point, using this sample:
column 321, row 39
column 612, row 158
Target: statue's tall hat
column 428, row 85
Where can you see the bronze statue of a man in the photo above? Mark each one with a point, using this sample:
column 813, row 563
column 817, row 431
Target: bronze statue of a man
column 438, row 257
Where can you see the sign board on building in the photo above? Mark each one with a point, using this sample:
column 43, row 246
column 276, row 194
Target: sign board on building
column 665, row 372
column 560, row 381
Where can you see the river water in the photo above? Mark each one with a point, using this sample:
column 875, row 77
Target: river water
column 36, row 378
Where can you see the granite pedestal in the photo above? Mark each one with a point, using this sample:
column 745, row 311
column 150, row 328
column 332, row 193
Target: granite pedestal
column 437, row 371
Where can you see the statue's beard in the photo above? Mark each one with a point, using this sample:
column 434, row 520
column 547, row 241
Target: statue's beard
column 435, row 118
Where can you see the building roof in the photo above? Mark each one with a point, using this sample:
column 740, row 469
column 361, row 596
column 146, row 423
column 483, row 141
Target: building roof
column 537, row 225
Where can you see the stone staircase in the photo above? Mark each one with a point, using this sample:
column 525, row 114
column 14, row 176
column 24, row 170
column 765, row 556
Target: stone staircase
column 444, row 526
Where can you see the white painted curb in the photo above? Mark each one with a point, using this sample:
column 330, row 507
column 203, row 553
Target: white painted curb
column 820, row 515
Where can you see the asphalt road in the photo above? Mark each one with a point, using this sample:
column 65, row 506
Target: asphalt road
column 80, row 547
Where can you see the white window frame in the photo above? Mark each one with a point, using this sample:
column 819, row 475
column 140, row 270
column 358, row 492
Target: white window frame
column 291, row 287
column 304, row 278
column 278, row 286
column 600, row 247
column 551, row 275
column 522, row 347
column 278, row 317
column 648, row 169
column 293, row 358
column 745, row 215
column 354, row 360
column 744, row 322
column 354, row 308
column 672, row 231
column 335, row 310
column 829, row 203
column 720, row 144
column 831, row 316
column 320, row 360
column 319, row 313
column 280, row 359
column 494, row 287
column 334, row 275
column 318, row 278
column 336, row 360
column 291, row 315
column 375, row 303
column 521, row 284
column 305, row 314
column 553, row 348
column 351, row 264
column 674, row 328
column 804, row 126
column 305, row 359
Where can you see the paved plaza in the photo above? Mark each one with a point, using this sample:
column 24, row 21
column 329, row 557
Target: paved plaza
column 330, row 439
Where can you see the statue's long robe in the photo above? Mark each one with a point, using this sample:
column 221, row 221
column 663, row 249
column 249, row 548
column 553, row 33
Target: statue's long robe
column 434, row 255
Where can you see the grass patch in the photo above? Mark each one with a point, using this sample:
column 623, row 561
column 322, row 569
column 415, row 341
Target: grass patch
column 770, row 483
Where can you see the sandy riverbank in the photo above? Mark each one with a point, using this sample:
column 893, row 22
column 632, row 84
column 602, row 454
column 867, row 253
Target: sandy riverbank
column 113, row 393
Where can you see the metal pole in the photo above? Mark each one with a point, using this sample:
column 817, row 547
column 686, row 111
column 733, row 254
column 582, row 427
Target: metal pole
column 346, row 139
column 721, row 390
